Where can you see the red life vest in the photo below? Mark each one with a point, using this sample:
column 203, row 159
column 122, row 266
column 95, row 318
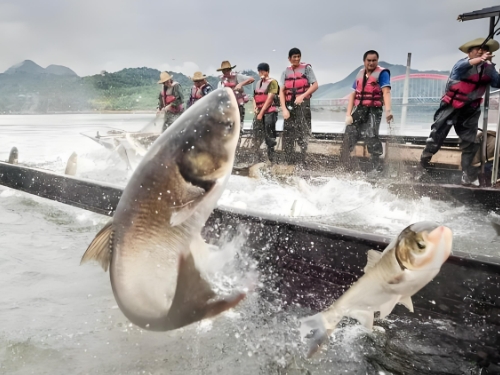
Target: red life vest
column 231, row 81
column 295, row 78
column 469, row 89
column 167, row 98
column 196, row 94
column 369, row 95
column 261, row 93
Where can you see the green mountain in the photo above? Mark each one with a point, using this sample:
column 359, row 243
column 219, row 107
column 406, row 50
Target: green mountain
column 26, row 67
column 29, row 88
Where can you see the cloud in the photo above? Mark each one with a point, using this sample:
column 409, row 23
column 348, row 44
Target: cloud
column 344, row 51
column 352, row 39
column 89, row 36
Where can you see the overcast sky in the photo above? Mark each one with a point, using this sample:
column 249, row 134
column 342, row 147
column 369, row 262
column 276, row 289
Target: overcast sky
column 188, row 35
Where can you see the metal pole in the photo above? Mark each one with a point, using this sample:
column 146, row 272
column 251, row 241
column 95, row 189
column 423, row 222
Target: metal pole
column 486, row 110
column 494, row 172
column 406, row 90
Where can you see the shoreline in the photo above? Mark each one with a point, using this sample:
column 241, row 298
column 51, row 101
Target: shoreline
column 107, row 112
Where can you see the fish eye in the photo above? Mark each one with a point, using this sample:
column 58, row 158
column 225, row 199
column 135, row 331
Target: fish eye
column 421, row 245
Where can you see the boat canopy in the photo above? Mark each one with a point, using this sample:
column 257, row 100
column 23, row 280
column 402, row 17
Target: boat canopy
column 478, row 14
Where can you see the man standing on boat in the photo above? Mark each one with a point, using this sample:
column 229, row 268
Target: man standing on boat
column 297, row 84
column 371, row 92
column 170, row 99
column 461, row 105
column 236, row 82
column 266, row 112
column 200, row 88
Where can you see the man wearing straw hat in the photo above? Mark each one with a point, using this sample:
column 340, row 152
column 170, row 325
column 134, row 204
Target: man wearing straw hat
column 170, row 99
column 236, row 82
column 460, row 105
column 200, row 88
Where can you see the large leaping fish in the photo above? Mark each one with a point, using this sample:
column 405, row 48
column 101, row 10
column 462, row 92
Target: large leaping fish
column 153, row 244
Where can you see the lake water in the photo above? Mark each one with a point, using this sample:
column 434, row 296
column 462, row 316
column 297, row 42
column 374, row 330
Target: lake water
column 57, row 317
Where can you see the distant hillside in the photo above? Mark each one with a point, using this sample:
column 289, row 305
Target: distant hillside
column 29, row 88
column 344, row 87
column 133, row 88
column 27, row 66
column 42, row 93
column 60, row 70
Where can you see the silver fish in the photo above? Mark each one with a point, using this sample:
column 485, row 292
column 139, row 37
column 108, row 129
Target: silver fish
column 153, row 244
column 409, row 263
column 13, row 156
column 71, row 165
column 495, row 222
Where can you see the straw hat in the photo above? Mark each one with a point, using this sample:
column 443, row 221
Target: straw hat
column 492, row 44
column 164, row 77
column 198, row 76
column 225, row 65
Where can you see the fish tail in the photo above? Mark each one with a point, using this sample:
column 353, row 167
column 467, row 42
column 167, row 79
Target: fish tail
column 317, row 329
column 194, row 298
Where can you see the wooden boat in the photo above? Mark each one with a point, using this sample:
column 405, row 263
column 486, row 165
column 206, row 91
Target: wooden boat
column 311, row 265
column 323, row 151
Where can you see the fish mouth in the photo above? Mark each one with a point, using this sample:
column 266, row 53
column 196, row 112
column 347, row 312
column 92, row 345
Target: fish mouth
column 208, row 148
column 202, row 183
column 439, row 241
column 442, row 238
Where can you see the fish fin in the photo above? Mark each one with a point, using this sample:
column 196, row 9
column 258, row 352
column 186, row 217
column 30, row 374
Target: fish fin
column 314, row 329
column 71, row 165
column 406, row 301
column 191, row 299
column 216, row 307
column 182, row 214
column 396, row 279
column 364, row 317
column 386, row 308
column 496, row 226
column 192, row 197
column 373, row 258
column 101, row 247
